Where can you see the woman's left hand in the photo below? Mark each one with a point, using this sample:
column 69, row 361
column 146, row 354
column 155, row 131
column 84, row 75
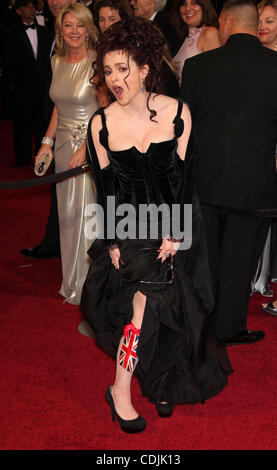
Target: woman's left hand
column 78, row 158
column 114, row 255
column 168, row 248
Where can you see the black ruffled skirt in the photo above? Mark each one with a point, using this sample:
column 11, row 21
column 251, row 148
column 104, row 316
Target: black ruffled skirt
column 180, row 359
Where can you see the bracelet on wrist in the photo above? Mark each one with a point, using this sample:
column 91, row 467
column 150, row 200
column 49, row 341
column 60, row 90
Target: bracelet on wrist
column 48, row 141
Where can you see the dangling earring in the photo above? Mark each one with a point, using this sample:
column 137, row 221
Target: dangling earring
column 87, row 42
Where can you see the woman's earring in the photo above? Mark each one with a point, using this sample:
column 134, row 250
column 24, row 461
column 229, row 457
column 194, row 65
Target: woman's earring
column 87, row 42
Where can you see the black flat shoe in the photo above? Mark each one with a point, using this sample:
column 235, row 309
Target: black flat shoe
column 37, row 254
column 267, row 293
column 245, row 337
column 269, row 308
column 164, row 409
column 127, row 425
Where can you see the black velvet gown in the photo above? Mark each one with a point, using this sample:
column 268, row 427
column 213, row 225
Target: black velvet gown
column 180, row 360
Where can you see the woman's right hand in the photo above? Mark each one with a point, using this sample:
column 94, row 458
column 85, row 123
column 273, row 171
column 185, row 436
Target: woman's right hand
column 169, row 247
column 44, row 149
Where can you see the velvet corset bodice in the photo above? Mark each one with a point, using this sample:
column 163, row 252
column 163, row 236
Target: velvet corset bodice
column 157, row 179
column 143, row 178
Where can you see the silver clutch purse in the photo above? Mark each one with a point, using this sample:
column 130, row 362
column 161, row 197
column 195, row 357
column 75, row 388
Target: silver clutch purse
column 42, row 164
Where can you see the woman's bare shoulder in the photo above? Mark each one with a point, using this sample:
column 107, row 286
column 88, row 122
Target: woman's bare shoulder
column 169, row 106
column 163, row 101
column 97, row 118
column 210, row 31
column 209, row 38
column 112, row 111
column 96, row 123
column 162, row 104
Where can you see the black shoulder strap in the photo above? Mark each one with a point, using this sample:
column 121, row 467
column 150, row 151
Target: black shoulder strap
column 103, row 134
column 178, row 121
column 180, row 107
column 103, row 117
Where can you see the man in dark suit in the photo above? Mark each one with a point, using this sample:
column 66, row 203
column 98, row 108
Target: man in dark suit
column 8, row 18
column 43, row 14
column 232, row 95
column 153, row 10
column 26, row 66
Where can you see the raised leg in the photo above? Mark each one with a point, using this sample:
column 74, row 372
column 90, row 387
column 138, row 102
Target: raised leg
column 127, row 361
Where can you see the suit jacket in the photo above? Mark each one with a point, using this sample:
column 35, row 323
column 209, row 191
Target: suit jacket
column 26, row 75
column 48, row 103
column 232, row 94
column 162, row 21
column 91, row 6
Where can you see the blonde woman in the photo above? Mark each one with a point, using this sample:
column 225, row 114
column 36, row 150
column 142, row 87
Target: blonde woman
column 267, row 31
column 75, row 101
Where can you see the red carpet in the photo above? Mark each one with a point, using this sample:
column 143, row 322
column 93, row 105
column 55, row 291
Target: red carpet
column 53, row 379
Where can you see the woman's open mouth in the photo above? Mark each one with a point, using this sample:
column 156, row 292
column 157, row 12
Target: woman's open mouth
column 118, row 91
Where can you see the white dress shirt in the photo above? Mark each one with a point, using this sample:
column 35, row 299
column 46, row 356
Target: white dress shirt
column 33, row 38
column 40, row 18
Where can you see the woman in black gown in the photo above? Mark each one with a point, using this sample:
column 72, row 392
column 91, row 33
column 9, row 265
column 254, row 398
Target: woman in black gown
column 151, row 317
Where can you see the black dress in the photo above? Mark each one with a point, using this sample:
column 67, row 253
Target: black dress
column 179, row 358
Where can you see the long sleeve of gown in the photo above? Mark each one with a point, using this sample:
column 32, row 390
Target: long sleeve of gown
column 104, row 183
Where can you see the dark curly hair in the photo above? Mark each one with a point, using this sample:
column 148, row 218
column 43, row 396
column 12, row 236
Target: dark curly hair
column 123, row 7
column 142, row 41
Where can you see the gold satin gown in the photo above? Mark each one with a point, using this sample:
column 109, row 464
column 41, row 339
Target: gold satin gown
column 75, row 100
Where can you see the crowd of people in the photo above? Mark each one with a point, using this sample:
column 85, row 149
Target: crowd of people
column 170, row 103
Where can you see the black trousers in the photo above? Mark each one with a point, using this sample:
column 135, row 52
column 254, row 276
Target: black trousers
column 273, row 250
column 235, row 243
column 51, row 239
column 28, row 123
